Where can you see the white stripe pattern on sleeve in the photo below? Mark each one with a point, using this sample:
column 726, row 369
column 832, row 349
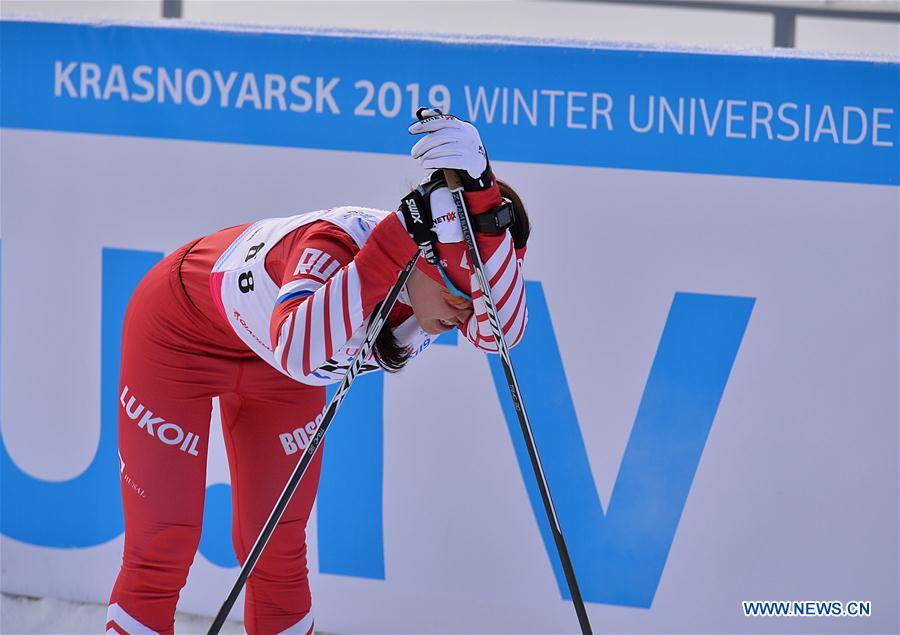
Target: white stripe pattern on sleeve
column 317, row 324
column 315, row 320
column 508, row 293
column 336, row 318
column 297, row 287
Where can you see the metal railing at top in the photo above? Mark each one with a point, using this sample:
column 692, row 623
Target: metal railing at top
column 784, row 13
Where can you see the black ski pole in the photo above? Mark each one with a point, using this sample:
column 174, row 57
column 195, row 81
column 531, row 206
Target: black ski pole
column 455, row 185
column 294, row 481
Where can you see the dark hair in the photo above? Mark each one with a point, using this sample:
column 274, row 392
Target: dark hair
column 521, row 227
column 389, row 354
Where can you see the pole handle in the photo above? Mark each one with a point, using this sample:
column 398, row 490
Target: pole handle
column 454, row 183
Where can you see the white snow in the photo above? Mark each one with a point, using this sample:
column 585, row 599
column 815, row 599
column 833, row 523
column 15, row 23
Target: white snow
column 20, row 614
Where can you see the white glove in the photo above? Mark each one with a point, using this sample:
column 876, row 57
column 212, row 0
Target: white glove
column 450, row 143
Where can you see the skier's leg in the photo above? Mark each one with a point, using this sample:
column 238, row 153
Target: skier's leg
column 162, row 491
column 164, row 410
column 278, row 597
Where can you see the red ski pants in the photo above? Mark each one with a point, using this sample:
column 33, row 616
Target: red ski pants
column 175, row 358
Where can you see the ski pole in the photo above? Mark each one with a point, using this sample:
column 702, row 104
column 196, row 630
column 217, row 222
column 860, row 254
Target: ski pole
column 454, row 184
column 328, row 414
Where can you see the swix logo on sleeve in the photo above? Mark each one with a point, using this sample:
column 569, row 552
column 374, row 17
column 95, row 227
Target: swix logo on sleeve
column 157, row 427
column 414, row 210
column 315, row 263
column 297, row 440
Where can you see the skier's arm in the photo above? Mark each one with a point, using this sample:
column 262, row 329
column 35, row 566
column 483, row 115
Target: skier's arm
column 328, row 290
column 503, row 270
column 450, row 143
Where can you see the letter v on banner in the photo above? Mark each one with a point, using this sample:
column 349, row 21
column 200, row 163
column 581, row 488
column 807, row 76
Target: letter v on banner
column 615, row 564
column 619, row 556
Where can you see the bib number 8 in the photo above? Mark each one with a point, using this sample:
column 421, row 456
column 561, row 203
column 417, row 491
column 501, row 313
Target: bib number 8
column 245, row 282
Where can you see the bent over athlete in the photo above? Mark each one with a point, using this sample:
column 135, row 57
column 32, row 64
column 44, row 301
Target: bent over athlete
column 264, row 316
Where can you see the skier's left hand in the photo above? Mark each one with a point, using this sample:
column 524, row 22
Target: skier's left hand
column 452, row 143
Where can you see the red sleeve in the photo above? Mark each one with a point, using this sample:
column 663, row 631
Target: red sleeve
column 328, row 288
column 321, row 235
column 480, row 202
column 503, row 269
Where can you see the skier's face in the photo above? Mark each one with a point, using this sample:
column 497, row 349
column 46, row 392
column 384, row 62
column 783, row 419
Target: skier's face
column 436, row 309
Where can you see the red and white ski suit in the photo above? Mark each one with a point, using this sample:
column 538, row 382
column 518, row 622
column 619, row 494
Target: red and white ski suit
column 261, row 316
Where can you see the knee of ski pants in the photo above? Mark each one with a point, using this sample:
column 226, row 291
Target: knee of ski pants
column 278, row 595
column 278, row 598
column 155, row 567
column 165, row 550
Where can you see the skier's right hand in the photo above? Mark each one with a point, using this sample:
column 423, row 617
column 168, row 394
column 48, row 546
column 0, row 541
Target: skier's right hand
column 451, row 144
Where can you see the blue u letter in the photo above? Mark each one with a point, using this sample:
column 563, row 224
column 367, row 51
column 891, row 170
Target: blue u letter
column 86, row 510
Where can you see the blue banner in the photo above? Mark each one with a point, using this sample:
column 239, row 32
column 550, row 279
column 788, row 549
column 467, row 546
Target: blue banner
column 782, row 117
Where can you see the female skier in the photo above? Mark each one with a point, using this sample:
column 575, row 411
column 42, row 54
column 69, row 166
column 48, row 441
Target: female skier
column 264, row 316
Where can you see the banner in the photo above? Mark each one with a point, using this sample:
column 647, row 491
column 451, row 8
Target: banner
column 710, row 365
column 826, row 120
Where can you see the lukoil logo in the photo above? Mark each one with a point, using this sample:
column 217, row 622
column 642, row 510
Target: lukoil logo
column 166, row 431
